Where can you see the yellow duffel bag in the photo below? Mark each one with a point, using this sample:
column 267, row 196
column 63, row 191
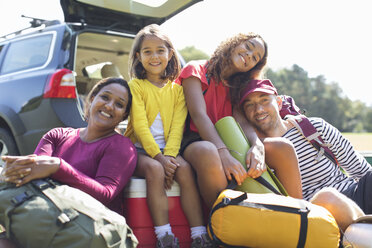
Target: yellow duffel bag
column 269, row 220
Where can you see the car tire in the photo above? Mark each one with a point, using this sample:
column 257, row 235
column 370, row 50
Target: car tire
column 7, row 143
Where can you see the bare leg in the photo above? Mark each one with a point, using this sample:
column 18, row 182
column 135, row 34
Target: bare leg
column 157, row 199
column 344, row 210
column 204, row 158
column 281, row 156
column 190, row 198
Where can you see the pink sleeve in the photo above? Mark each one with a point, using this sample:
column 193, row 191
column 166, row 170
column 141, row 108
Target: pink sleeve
column 113, row 173
column 194, row 69
column 48, row 142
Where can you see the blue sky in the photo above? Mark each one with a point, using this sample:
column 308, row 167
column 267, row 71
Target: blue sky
column 325, row 37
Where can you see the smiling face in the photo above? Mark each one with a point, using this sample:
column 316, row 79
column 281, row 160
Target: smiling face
column 247, row 54
column 262, row 111
column 154, row 56
column 108, row 107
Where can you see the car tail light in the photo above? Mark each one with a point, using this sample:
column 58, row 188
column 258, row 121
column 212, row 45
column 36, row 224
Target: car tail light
column 61, row 85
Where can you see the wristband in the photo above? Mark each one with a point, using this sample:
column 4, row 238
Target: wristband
column 222, row 148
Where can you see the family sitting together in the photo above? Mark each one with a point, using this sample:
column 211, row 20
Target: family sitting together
column 171, row 137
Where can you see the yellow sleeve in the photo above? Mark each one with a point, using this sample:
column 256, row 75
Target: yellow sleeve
column 173, row 144
column 139, row 119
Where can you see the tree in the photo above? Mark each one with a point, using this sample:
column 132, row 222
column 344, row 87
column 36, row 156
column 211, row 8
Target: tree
column 322, row 99
column 191, row 53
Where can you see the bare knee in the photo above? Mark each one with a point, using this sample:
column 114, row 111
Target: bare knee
column 280, row 152
column 183, row 167
column 203, row 149
column 344, row 210
column 327, row 197
column 274, row 144
column 184, row 172
column 203, row 156
column 151, row 170
column 333, row 200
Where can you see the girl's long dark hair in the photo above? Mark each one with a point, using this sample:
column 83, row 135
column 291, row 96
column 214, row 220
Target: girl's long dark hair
column 136, row 68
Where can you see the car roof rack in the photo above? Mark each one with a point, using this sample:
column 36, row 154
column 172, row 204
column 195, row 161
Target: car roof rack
column 35, row 23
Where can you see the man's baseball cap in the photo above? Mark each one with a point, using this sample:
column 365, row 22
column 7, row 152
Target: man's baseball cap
column 255, row 85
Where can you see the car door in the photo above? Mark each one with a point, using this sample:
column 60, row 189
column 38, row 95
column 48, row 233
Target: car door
column 122, row 15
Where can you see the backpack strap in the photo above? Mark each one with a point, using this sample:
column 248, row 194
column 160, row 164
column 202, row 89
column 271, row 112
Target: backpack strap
column 303, row 124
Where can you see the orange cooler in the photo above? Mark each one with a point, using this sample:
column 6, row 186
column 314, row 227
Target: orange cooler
column 139, row 219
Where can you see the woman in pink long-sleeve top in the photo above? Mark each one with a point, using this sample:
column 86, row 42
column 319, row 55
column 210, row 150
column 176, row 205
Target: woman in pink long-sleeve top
column 95, row 159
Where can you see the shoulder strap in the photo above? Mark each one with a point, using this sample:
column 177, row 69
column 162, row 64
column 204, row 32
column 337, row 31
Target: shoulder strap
column 303, row 124
column 208, row 80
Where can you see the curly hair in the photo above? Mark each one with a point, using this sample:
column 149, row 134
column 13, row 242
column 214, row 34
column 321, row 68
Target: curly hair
column 136, row 68
column 221, row 58
column 99, row 86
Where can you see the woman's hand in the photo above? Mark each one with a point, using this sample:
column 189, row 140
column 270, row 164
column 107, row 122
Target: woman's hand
column 255, row 160
column 170, row 166
column 232, row 167
column 22, row 169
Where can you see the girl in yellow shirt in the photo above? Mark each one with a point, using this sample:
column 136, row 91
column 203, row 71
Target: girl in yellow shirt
column 156, row 126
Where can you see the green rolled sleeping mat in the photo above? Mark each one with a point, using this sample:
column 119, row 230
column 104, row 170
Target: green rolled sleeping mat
column 238, row 145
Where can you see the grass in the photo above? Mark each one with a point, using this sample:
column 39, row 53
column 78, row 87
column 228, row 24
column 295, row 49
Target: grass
column 362, row 142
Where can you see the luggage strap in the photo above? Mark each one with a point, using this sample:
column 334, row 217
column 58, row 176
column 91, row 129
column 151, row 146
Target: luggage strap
column 303, row 212
column 46, row 186
column 233, row 184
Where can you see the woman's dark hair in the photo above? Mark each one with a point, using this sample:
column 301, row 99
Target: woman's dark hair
column 221, row 58
column 136, row 68
column 98, row 87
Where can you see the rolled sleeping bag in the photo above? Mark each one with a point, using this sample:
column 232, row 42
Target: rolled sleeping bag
column 237, row 143
column 240, row 219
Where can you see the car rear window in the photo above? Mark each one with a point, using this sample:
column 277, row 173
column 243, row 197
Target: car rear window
column 27, row 53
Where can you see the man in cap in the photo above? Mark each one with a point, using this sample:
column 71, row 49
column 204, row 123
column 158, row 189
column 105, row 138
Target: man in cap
column 323, row 182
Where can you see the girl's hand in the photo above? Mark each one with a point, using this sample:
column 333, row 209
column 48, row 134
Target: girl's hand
column 232, row 167
column 255, row 161
column 168, row 183
column 22, row 169
column 170, row 166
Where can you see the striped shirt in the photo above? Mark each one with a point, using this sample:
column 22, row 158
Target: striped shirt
column 316, row 175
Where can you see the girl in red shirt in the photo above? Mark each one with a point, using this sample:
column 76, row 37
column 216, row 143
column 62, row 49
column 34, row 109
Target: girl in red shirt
column 207, row 94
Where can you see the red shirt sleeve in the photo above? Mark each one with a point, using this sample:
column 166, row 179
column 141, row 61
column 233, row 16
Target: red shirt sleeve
column 195, row 69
